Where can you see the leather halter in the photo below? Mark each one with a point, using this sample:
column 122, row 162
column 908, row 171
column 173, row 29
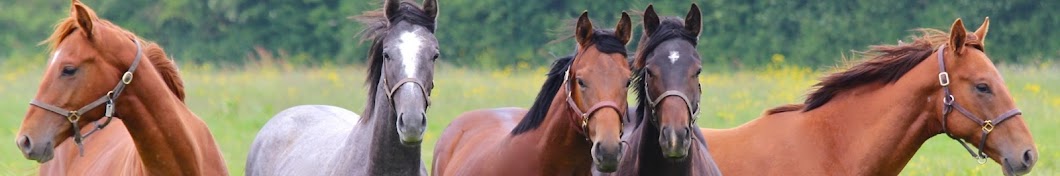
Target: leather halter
column 391, row 90
column 73, row 116
column 584, row 116
column 949, row 104
column 693, row 109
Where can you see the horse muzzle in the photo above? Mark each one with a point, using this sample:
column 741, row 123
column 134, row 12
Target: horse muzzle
column 40, row 152
column 675, row 142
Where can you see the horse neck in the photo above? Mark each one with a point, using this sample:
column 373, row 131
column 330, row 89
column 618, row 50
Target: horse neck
column 168, row 136
column 883, row 125
column 388, row 155
column 563, row 150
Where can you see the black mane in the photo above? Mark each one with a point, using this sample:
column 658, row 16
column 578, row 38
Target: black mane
column 605, row 41
column 669, row 29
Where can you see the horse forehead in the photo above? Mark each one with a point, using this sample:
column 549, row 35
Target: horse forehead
column 55, row 56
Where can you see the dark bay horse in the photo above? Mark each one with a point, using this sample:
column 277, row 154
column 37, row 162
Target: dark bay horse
column 328, row 140
column 574, row 123
column 90, row 55
column 872, row 118
column 664, row 139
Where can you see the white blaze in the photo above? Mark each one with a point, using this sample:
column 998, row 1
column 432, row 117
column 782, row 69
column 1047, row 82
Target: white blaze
column 409, row 44
column 54, row 57
column 674, row 55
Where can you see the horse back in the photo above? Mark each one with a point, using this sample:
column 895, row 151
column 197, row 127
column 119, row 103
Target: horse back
column 472, row 133
column 301, row 140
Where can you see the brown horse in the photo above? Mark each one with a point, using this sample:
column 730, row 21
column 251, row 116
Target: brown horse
column 90, row 54
column 664, row 138
column 565, row 131
column 872, row 118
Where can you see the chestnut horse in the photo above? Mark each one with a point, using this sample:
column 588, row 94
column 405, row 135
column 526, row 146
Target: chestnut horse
column 575, row 121
column 90, row 54
column 328, row 140
column 872, row 118
column 666, row 70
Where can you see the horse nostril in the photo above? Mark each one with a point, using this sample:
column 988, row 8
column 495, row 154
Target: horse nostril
column 1028, row 158
column 400, row 116
column 423, row 119
column 25, row 144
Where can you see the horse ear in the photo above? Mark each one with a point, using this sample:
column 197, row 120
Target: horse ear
column 694, row 21
column 624, row 30
column 583, row 31
column 957, row 35
column 981, row 32
column 84, row 18
column 391, row 8
column 651, row 20
column 431, row 7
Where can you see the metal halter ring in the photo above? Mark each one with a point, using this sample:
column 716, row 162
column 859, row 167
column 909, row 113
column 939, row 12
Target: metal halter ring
column 988, row 126
column 73, row 117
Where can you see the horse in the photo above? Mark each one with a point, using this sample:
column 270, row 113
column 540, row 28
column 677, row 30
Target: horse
column 89, row 54
column 567, row 129
column 328, row 140
column 871, row 118
column 666, row 68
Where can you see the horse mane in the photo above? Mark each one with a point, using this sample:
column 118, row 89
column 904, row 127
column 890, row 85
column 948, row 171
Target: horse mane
column 376, row 25
column 604, row 41
column 887, row 64
column 669, row 28
column 165, row 67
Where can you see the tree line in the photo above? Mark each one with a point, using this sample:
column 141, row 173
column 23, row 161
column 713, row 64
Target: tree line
column 492, row 33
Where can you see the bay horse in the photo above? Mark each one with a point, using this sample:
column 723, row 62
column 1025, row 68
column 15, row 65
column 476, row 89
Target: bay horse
column 574, row 122
column 90, row 54
column 328, row 140
column 871, row 119
column 664, row 137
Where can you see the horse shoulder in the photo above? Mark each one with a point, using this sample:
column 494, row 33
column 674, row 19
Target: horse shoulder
column 300, row 137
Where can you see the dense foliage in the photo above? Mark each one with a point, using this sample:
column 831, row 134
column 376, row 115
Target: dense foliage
column 493, row 33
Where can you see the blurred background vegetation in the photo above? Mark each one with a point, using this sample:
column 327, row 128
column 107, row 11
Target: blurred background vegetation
column 502, row 33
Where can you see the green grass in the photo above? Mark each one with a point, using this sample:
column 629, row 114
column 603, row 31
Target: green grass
column 235, row 103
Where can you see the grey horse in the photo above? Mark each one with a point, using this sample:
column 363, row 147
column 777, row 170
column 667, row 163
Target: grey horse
column 328, row 140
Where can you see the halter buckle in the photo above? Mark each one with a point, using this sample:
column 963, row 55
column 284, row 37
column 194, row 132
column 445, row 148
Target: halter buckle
column 585, row 121
column 73, row 117
column 944, row 78
column 981, row 160
column 988, row 126
column 127, row 78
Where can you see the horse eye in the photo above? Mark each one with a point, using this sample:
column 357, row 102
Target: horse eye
column 628, row 82
column 698, row 71
column 69, row 70
column 982, row 88
column 581, row 83
column 435, row 58
column 386, row 56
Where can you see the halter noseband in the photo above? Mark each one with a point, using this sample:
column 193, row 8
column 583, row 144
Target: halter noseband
column 75, row 115
column 949, row 104
column 693, row 110
column 582, row 124
column 391, row 90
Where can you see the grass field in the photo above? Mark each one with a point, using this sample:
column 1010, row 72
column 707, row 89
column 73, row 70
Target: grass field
column 237, row 102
